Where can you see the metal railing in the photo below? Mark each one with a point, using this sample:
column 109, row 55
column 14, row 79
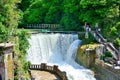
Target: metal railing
column 109, row 46
column 43, row 26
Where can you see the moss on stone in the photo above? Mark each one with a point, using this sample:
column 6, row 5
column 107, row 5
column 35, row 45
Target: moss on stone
column 86, row 59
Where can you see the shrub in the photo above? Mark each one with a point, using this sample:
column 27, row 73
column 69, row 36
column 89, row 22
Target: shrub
column 106, row 54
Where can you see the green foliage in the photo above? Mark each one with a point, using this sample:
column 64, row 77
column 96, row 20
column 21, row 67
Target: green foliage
column 23, row 40
column 35, row 13
column 106, row 54
column 117, row 41
column 3, row 33
column 24, row 4
column 73, row 14
column 113, row 31
column 16, row 71
column 26, row 66
column 16, row 78
column 89, row 40
column 10, row 16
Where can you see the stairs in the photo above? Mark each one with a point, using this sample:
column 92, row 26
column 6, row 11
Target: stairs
column 109, row 46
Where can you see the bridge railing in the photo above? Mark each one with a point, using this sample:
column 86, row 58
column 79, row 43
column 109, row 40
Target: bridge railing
column 53, row 69
column 42, row 26
column 109, row 46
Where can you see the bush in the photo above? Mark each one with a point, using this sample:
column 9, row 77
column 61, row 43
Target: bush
column 90, row 39
column 16, row 71
column 3, row 33
column 106, row 54
column 117, row 41
column 26, row 66
column 23, row 40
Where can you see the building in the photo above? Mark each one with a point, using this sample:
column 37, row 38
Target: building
column 6, row 61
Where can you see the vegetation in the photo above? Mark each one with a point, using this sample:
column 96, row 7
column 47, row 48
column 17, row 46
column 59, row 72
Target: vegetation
column 10, row 17
column 71, row 14
column 88, row 40
column 74, row 13
column 23, row 39
column 106, row 54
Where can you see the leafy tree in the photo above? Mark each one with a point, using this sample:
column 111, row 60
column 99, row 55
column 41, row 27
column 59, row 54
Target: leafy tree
column 35, row 13
column 70, row 18
column 3, row 33
column 54, row 13
column 26, row 65
column 25, row 4
column 10, row 15
column 72, row 14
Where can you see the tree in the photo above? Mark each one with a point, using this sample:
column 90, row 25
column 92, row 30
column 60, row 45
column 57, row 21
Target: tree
column 25, row 4
column 10, row 14
column 35, row 13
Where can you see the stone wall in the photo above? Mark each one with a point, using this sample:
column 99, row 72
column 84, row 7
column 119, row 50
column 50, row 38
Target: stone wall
column 106, row 71
column 6, row 65
column 86, row 55
column 91, row 59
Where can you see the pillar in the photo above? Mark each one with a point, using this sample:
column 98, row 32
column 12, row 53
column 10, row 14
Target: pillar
column 90, row 57
column 43, row 66
column 55, row 68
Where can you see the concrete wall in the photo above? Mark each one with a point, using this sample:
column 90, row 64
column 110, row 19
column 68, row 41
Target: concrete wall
column 91, row 60
column 106, row 72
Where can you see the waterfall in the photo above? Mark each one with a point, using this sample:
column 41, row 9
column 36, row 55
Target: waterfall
column 58, row 49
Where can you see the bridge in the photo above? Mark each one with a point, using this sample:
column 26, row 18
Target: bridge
column 44, row 67
column 43, row 26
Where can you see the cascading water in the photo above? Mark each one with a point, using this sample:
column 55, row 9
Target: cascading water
column 59, row 49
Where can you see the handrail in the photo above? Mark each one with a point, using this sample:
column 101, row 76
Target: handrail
column 53, row 69
column 102, row 40
column 43, row 26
